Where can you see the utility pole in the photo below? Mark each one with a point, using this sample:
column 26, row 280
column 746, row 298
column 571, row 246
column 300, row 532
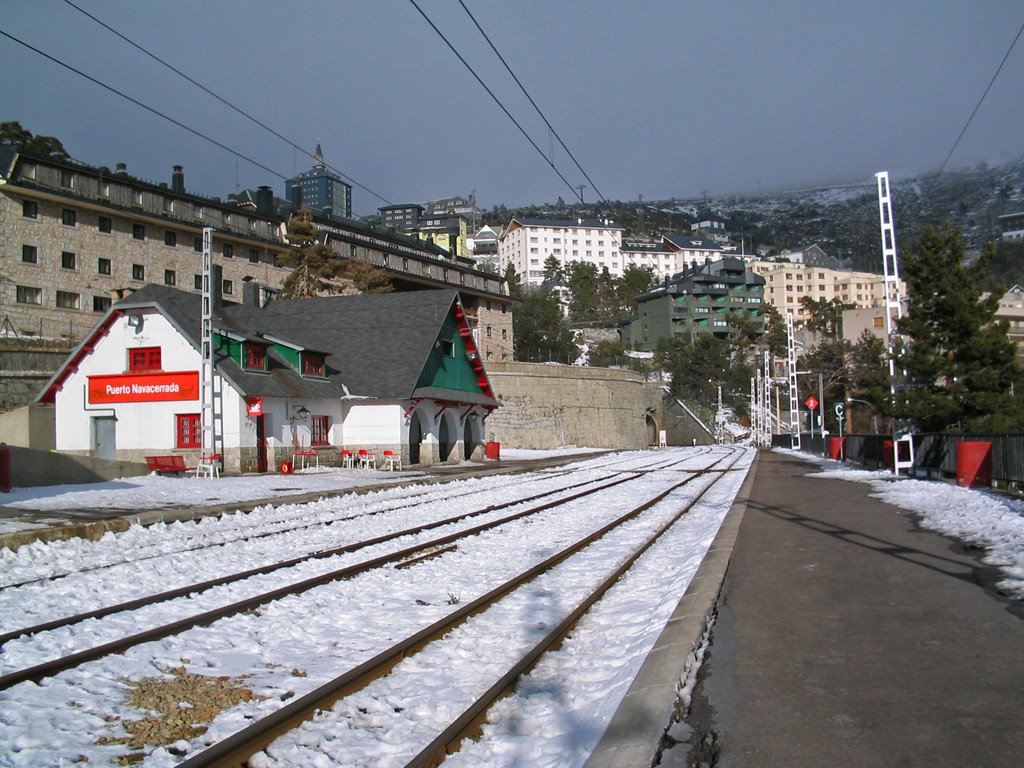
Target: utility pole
column 581, row 187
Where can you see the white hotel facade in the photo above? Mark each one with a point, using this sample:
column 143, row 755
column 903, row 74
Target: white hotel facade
column 527, row 244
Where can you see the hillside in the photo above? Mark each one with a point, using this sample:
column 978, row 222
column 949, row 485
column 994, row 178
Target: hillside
column 842, row 219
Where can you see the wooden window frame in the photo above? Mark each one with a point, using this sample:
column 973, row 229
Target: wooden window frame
column 188, row 430
column 144, row 359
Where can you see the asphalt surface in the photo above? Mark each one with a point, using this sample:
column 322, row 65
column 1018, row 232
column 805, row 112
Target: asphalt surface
column 847, row 636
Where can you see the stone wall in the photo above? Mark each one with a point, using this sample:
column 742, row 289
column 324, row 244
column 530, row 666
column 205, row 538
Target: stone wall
column 546, row 406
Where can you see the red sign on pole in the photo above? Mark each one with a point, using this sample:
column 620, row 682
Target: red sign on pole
column 811, row 402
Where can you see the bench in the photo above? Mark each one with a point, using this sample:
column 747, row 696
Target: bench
column 171, row 465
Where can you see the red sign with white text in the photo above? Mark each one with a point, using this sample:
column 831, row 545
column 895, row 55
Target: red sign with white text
column 144, row 387
column 811, row 402
column 254, row 406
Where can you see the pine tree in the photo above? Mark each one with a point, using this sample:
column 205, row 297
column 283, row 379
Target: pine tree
column 960, row 365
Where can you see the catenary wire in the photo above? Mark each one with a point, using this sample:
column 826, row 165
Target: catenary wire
column 496, row 99
column 983, row 95
column 148, row 108
column 530, row 99
column 222, row 100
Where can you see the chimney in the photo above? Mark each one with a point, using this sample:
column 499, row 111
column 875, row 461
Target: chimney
column 122, row 168
column 178, row 180
column 296, row 197
column 250, row 293
column 265, row 201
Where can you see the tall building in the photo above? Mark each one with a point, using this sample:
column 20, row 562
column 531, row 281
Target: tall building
column 322, row 191
column 703, row 298
column 528, row 243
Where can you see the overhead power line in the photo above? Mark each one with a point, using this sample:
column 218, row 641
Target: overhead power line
column 222, row 100
column 495, row 98
column 146, row 107
column 978, row 106
column 530, row 98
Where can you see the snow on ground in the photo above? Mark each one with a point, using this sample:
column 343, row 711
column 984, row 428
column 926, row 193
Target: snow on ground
column 988, row 520
column 152, row 491
column 296, row 643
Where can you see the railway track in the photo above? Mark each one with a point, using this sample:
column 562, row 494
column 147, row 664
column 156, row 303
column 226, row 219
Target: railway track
column 413, row 558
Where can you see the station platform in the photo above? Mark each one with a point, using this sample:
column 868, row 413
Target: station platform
column 846, row 635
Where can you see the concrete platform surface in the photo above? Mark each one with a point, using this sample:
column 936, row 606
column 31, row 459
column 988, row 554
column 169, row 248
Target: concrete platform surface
column 847, row 636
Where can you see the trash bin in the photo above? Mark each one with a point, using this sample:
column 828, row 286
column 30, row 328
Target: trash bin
column 286, row 467
column 974, row 464
column 493, row 451
column 5, row 469
column 837, row 448
column 887, row 455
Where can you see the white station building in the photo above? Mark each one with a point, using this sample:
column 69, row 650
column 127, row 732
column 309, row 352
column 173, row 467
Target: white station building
column 398, row 372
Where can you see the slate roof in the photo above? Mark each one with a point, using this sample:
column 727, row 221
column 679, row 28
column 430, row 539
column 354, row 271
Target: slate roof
column 376, row 346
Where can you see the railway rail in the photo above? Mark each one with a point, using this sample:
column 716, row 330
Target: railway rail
column 235, row 749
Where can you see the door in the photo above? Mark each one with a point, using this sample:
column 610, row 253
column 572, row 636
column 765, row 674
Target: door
column 261, row 444
column 104, row 437
column 415, row 438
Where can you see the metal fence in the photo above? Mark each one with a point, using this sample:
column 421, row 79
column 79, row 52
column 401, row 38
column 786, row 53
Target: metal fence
column 936, row 455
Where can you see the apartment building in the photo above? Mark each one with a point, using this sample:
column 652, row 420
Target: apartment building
column 787, row 282
column 528, row 243
column 76, row 238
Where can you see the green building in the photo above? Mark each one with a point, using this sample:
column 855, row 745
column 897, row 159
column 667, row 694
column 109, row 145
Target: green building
column 701, row 299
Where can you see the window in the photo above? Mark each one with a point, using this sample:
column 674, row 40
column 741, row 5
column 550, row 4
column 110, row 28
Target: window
column 66, row 300
column 447, row 347
column 319, row 428
column 312, row 364
column 198, row 212
column 170, row 277
column 197, row 282
column 138, row 272
column 144, row 359
column 103, row 265
column 228, row 250
column 254, row 255
column 106, row 224
column 137, row 197
column 67, row 260
column 67, row 179
column 197, row 243
column 170, row 237
column 100, row 303
column 29, row 170
column 878, row 322
column 504, row 334
column 228, row 288
column 255, row 357
column 30, row 254
column 69, row 217
column 488, row 331
column 168, row 205
column 139, row 231
column 30, row 209
column 26, row 295
column 188, row 430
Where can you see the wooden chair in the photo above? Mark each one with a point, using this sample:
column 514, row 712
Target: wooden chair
column 392, row 460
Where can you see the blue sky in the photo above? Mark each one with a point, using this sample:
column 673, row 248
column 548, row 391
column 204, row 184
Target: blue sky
column 660, row 99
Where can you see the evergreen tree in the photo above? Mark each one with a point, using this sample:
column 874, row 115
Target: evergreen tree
column 552, row 266
column 511, row 277
column 582, row 279
column 13, row 135
column 540, row 330
column 318, row 269
column 635, row 281
column 959, row 363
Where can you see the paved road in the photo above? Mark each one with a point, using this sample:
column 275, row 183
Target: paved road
column 846, row 636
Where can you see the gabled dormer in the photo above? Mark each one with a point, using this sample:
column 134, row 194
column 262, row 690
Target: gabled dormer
column 249, row 352
column 454, row 362
column 303, row 360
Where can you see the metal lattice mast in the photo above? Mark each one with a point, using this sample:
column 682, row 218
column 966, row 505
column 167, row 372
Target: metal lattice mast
column 755, row 408
column 208, row 401
column 794, row 408
column 766, row 401
column 890, row 269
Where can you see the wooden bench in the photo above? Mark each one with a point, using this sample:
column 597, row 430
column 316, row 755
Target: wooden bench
column 170, row 465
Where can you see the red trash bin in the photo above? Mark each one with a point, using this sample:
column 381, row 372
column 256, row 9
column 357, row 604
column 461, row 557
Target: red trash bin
column 837, row 448
column 887, row 454
column 493, row 451
column 5, row 469
column 974, row 464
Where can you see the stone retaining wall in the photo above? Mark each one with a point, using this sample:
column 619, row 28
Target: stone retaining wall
column 546, row 406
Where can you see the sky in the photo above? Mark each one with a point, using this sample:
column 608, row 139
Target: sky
column 659, row 99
